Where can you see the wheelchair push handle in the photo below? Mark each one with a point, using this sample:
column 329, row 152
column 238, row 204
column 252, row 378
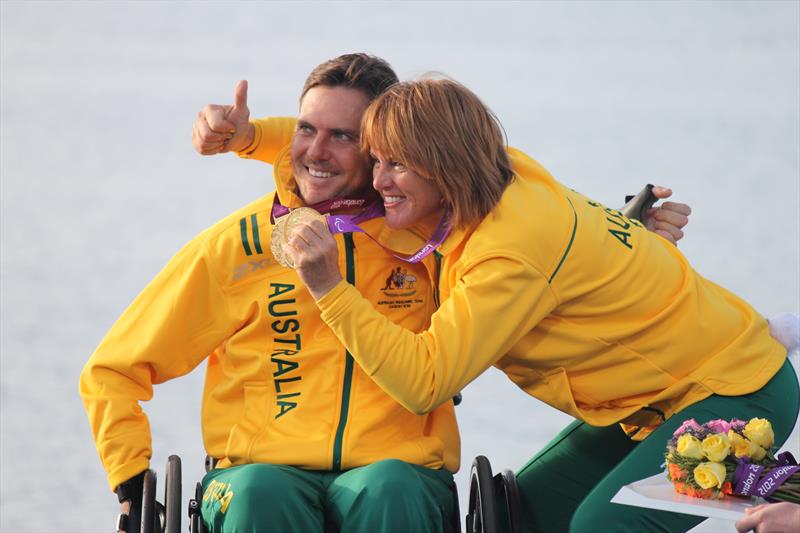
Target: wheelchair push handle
column 145, row 514
column 636, row 206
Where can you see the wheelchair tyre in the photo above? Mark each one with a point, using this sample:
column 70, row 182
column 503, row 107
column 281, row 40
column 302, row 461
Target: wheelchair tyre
column 172, row 495
column 506, row 484
column 149, row 511
column 481, row 513
column 196, row 524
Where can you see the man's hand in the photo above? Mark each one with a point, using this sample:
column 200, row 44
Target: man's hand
column 315, row 255
column 224, row 128
column 783, row 517
column 669, row 218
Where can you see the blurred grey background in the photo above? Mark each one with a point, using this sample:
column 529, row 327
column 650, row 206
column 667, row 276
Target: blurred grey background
column 100, row 186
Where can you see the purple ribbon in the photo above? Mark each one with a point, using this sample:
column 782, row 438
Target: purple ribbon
column 746, row 477
column 775, row 479
column 278, row 209
column 749, row 481
column 349, row 223
column 345, row 223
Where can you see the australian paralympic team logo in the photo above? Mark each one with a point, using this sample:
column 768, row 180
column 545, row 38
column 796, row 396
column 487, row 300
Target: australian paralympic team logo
column 400, row 290
column 400, row 283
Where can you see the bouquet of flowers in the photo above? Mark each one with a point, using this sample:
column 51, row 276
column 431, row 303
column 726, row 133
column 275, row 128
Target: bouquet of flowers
column 734, row 458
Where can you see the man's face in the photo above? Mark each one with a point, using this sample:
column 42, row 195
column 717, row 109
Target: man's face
column 326, row 155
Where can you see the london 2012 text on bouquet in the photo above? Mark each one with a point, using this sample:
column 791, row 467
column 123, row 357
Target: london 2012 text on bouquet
column 731, row 458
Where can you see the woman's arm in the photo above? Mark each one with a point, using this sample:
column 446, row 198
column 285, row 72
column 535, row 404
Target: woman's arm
column 495, row 301
column 494, row 304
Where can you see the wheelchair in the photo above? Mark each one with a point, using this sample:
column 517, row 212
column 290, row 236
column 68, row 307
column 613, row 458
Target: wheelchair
column 493, row 503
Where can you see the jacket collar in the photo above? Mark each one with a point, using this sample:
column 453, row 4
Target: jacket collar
column 285, row 183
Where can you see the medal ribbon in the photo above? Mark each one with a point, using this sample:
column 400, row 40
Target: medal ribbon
column 345, row 223
column 279, row 210
column 349, row 223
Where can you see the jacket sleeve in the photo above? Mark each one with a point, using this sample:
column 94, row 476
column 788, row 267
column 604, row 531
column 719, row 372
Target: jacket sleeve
column 272, row 134
column 494, row 303
column 179, row 318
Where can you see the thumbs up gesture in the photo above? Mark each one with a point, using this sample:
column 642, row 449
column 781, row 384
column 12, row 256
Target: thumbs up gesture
column 224, row 128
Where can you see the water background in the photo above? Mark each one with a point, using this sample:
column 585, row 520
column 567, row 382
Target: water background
column 100, row 186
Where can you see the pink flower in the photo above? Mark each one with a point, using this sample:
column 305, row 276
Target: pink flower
column 737, row 425
column 718, row 426
column 687, row 425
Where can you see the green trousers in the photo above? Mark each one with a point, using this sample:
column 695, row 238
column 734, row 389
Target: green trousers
column 569, row 484
column 386, row 496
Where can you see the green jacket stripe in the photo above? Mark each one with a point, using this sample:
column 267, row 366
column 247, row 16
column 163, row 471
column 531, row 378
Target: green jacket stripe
column 243, row 231
column 569, row 246
column 438, row 258
column 256, row 239
column 348, row 364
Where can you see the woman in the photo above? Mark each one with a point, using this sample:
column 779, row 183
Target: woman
column 578, row 305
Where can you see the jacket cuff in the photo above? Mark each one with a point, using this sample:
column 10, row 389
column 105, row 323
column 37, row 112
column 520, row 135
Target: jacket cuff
column 334, row 299
column 132, row 489
column 248, row 151
column 123, row 473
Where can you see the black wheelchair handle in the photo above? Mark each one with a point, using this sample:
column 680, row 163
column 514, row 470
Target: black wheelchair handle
column 636, row 206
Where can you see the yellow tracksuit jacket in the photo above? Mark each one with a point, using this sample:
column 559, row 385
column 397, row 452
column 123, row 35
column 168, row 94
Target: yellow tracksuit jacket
column 578, row 305
column 280, row 388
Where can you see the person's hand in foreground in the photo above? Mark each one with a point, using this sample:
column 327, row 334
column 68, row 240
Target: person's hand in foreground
column 669, row 218
column 224, row 128
column 783, row 517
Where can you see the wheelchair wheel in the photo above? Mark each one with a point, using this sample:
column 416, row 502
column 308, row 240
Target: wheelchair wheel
column 196, row 524
column 172, row 495
column 481, row 513
column 149, row 508
column 506, row 485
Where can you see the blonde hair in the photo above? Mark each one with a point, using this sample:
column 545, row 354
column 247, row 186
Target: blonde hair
column 439, row 129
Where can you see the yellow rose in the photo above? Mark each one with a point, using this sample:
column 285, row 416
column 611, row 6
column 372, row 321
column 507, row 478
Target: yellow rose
column 755, row 452
column 740, row 445
column 710, row 475
column 690, row 446
column 759, row 430
column 716, row 447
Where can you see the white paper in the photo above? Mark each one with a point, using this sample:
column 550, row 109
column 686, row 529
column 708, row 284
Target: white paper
column 657, row 492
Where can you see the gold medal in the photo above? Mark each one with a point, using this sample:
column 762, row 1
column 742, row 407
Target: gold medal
column 277, row 240
column 300, row 215
column 282, row 230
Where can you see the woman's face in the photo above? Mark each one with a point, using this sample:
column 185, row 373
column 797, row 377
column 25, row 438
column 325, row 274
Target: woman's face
column 407, row 197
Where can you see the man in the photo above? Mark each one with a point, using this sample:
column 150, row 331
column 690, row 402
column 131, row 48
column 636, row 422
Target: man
column 280, row 389
column 305, row 440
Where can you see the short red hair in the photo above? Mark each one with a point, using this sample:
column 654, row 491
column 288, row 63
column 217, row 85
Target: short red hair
column 442, row 131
